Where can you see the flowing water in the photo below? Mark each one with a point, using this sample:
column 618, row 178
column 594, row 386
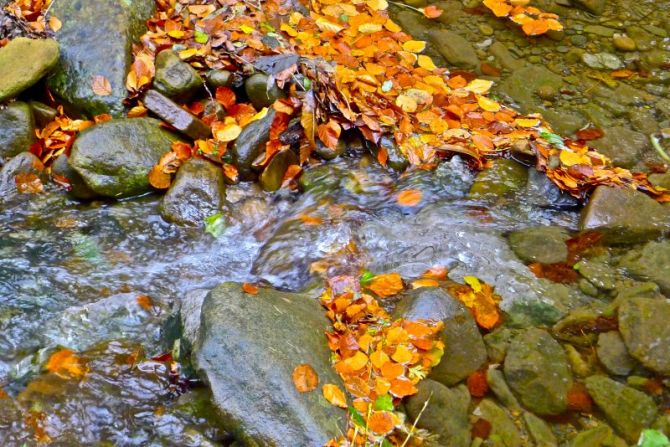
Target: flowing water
column 71, row 273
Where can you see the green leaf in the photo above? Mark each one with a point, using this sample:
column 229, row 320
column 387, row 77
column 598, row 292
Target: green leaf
column 201, row 37
column 386, row 443
column 384, row 403
column 356, row 417
column 366, row 277
column 307, row 84
column 653, row 438
column 215, row 225
column 265, row 26
column 552, row 138
column 387, row 86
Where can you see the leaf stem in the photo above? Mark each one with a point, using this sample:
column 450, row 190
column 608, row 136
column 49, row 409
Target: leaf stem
column 416, row 421
column 655, row 141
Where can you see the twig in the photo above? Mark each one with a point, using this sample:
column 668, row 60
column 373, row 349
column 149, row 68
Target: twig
column 655, row 141
column 46, row 11
column 416, row 421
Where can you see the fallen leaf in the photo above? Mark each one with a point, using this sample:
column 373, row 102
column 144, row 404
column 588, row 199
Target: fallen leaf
column 409, row 197
column 250, row 288
column 305, row 378
column 386, row 285
column 28, row 183
column 101, row 86
column 66, row 364
column 334, row 395
column 145, row 302
column 432, row 11
column 329, row 133
column 380, row 422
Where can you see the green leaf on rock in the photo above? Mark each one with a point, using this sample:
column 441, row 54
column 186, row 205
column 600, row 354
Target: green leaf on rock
column 215, row 225
column 356, row 417
column 366, row 277
column 653, row 438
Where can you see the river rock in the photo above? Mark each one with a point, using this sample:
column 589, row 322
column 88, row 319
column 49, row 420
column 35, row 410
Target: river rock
column 446, row 414
column 273, row 175
column 464, row 349
column 220, row 78
column 96, row 39
column 522, row 84
column 622, row 145
column 197, row 192
column 250, row 143
column 542, row 192
column 43, row 113
column 545, row 245
column 539, row 430
column 23, row 62
column 643, row 323
column 613, row 354
column 23, row 163
column 175, row 78
column 650, row 263
column 454, row 48
column 624, row 216
column 260, row 93
column 170, row 112
column 504, row 178
column 496, row 381
column 78, row 187
column 537, row 370
column 247, row 351
column 595, row 6
column 600, row 436
column 626, row 409
column 17, row 129
column 503, row 429
column 396, row 159
column 114, row 158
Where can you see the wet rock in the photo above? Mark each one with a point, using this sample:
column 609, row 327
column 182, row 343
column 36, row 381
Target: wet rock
column 626, row 409
column 613, row 354
column 23, row 62
column 23, row 163
column 497, row 342
column 504, row 178
column 96, row 39
column 505, row 57
column 170, row 112
column 595, row 6
column 454, row 48
column 250, row 143
column 78, row 187
column 623, row 43
column 503, row 429
column 545, row 245
column 496, row 381
column 538, row 372
column 643, row 323
column 114, row 158
column 247, row 351
column 650, row 263
column 598, row 272
column 624, row 216
column 539, row 430
column 522, row 84
column 260, row 93
column 320, row 179
column 272, row 177
column 446, row 414
column 327, row 153
column 189, row 318
column 622, row 145
column 220, row 78
column 17, row 129
column 569, row 328
column 600, row 436
column 602, row 61
column 197, row 192
column 175, row 78
column 542, row 192
column 463, row 343
column 655, row 58
column 43, row 113
column 396, row 159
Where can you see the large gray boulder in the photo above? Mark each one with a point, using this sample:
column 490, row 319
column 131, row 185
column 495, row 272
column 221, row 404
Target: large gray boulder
column 197, row 192
column 24, row 163
column 248, row 346
column 23, row 62
column 114, row 158
column 96, row 40
column 643, row 323
column 537, row 370
column 622, row 145
column 464, row 349
column 624, row 216
column 17, row 129
column 650, row 263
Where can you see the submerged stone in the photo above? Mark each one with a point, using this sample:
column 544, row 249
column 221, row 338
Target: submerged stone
column 248, row 348
column 23, row 62
column 114, row 158
column 198, row 191
column 650, row 263
column 23, row 163
column 504, row 178
column 545, row 245
column 17, row 129
column 78, row 187
column 454, row 48
column 643, row 323
column 273, row 175
column 96, row 39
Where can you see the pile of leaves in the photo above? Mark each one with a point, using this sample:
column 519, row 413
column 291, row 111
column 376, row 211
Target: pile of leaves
column 533, row 21
column 30, row 17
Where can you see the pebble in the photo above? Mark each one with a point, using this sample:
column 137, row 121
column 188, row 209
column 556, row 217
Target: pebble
column 623, row 43
column 486, row 29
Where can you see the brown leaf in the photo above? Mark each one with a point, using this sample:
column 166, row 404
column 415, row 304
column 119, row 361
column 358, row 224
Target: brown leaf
column 329, row 133
column 66, row 364
column 305, row 378
column 101, row 86
column 28, row 183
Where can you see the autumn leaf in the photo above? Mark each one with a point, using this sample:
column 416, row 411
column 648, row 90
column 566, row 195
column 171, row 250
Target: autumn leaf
column 409, row 197
column 101, row 86
column 386, row 285
column 66, row 364
column 334, row 395
column 225, row 96
column 28, row 183
column 380, row 422
column 432, row 11
column 145, row 302
column 249, row 288
column 226, row 131
column 329, row 133
column 305, row 378
column 55, row 24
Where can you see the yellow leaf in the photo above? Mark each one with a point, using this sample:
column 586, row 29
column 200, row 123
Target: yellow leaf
column 225, row 132
column 392, row 26
column 474, row 283
column 54, row 23
column 176, row 33
column 569, row 158
column 527, row 122
column 246, row 29
column 334, row 395
column 414, row 46
column 426, row 62
column 402, row 354
column 288, row 29
column 325, row 25
column 479, row 86
column 260, row 115
column 369, row 28
column 406, row 103
column 487, row 104
column 377, row 5
column 357, row 361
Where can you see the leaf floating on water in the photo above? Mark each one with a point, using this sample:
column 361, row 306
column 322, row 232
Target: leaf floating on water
column 386, row 285
column 431, row 11
column 101, row 86
column 145, row 302
column 66, row 364
column 305, row 378
column 334, row 395
column 28, row 183
column 215, row 224
column 409, row 197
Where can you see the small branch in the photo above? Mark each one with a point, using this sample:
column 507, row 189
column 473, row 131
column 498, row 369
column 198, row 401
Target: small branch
column 416, row 421
column 655, row 141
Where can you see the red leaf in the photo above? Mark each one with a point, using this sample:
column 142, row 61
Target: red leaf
column 329, row 133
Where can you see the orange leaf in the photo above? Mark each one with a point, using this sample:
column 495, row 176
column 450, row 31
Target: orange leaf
column 225, row 97
column 334, row 395
column 101, row 86
column 535, row 27
column 386, row 285
column 329, row 133
column 499, row 8
column 305, row 378
column 380, row 422
column 28, row 183
column 66, row 364
column 145, row 302
column 424, row 282
column 159, row 179
column 409, row 197
column 250, row 288
column 432, row 11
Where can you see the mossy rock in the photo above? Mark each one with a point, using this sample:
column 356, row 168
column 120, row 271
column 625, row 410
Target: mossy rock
column 23, row 62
